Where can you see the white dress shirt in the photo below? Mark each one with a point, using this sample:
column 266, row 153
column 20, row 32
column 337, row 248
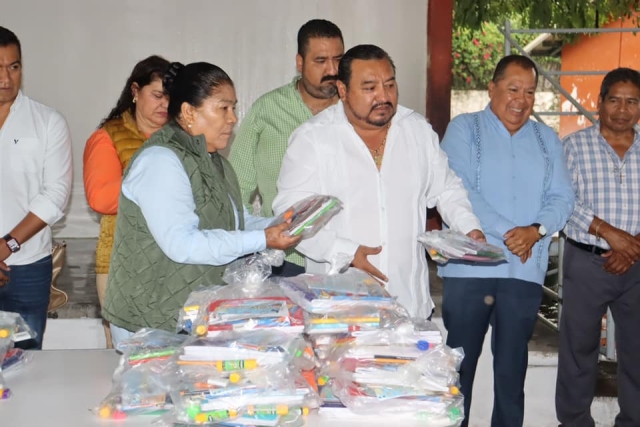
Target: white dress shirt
column 36, row 173
column 385, row 208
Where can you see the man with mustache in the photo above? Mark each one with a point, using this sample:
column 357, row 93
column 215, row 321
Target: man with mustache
column 519, row 187
column 601, row 267
column 261, row 140
column 383, row 161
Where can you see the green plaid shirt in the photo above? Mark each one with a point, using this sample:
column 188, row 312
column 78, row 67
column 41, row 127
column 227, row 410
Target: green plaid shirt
column 260, row 143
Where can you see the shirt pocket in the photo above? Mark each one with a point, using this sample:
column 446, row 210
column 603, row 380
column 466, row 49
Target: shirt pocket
column 25, row 155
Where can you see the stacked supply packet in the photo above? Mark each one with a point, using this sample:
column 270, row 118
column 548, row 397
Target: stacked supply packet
column 251, row 301
column 443, row 245
column 13, row 328
column 403, row 372
column 141, row 381
column 320, row 294
column 243, row 378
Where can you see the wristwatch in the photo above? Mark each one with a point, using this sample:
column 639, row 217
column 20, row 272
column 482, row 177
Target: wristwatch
column 542, row 231
column 12, row 243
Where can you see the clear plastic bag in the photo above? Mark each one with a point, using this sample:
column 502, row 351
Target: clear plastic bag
column 443, row 245
column 13, row 326
column 148, row 346
column 275, row 394
column 231, row 352
column 320, row 294
column 141, row 381
column 142, row 390
column 195, row 308
column 246, row 306
column 404, row 371
column 309, row 215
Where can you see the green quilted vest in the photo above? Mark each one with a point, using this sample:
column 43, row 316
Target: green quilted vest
column 146, row 288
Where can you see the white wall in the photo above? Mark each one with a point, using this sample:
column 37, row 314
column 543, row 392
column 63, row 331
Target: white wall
column 77, row 54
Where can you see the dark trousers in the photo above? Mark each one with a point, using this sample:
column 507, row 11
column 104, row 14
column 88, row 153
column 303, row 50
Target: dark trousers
column 27, row 293
column 587, row 292
column 510, row 306
column 287, row 269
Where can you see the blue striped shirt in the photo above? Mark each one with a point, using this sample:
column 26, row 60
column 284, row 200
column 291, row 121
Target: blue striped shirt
column 605, row 185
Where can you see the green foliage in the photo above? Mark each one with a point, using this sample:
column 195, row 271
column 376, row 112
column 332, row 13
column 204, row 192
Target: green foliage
column 475, row 54
column 543, row 13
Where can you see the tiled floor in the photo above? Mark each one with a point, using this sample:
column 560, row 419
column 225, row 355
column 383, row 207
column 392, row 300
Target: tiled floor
column 78, row 281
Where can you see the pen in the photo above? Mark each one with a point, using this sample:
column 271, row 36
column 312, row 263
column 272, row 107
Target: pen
column 152, row 354
column 346, row 320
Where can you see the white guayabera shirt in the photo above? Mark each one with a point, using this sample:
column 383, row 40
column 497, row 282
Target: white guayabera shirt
column 385, row 208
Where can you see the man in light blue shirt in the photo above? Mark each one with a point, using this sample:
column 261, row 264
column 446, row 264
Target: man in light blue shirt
column 519, row 187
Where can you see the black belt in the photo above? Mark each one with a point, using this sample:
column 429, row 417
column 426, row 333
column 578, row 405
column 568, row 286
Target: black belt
column 596, row 250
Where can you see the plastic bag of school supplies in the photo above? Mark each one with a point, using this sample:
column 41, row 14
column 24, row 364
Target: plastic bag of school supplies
column 397, row 379
column 13, row 327
column 443, row 245
column 148, row 346
column 230, row 352
column 195, row 308
column 261, row 397
column 309, row 215
column 320, row 293
column 142, row 390
column 247, row 306
column 14, row 359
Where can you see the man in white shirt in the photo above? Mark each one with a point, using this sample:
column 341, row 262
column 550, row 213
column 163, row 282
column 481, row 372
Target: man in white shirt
column 383, row 161
column 35, row 182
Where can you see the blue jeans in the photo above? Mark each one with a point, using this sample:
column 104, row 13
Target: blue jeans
column 27, row 293
column 469, row 306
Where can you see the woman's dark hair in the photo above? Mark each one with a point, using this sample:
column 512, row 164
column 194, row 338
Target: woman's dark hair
column 192, row 83
column 145, row 72
column 624, row 75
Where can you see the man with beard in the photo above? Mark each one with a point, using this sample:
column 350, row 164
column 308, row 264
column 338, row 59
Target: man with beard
column 261, row 140
column 601, row 267
column 383, row 161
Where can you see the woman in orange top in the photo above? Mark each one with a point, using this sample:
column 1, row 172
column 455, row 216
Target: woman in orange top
column 140, row 111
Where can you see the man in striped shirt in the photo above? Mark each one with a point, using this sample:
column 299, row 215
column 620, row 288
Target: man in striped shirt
column 261, row 140
column 601, row 267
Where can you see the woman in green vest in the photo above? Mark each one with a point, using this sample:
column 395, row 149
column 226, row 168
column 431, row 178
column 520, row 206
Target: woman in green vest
column 180, row 216
column 140, row 111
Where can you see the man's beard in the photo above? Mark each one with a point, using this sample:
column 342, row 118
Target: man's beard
column 322, row 91
column 379, row 123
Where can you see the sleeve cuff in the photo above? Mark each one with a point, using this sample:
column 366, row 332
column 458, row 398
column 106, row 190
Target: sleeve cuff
column 45, row 210
column 253, row 241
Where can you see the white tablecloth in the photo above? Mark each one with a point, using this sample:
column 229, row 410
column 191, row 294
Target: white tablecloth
column 59, row 387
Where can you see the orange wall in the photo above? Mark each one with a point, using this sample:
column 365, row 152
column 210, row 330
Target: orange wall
column 602, row 52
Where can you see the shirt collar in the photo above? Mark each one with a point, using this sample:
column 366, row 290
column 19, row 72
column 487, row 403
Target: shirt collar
column 496, row 121
column 16, row 102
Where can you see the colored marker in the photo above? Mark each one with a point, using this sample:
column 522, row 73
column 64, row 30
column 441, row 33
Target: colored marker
column 5, row 393
column 152, row 354
column 217, row 415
